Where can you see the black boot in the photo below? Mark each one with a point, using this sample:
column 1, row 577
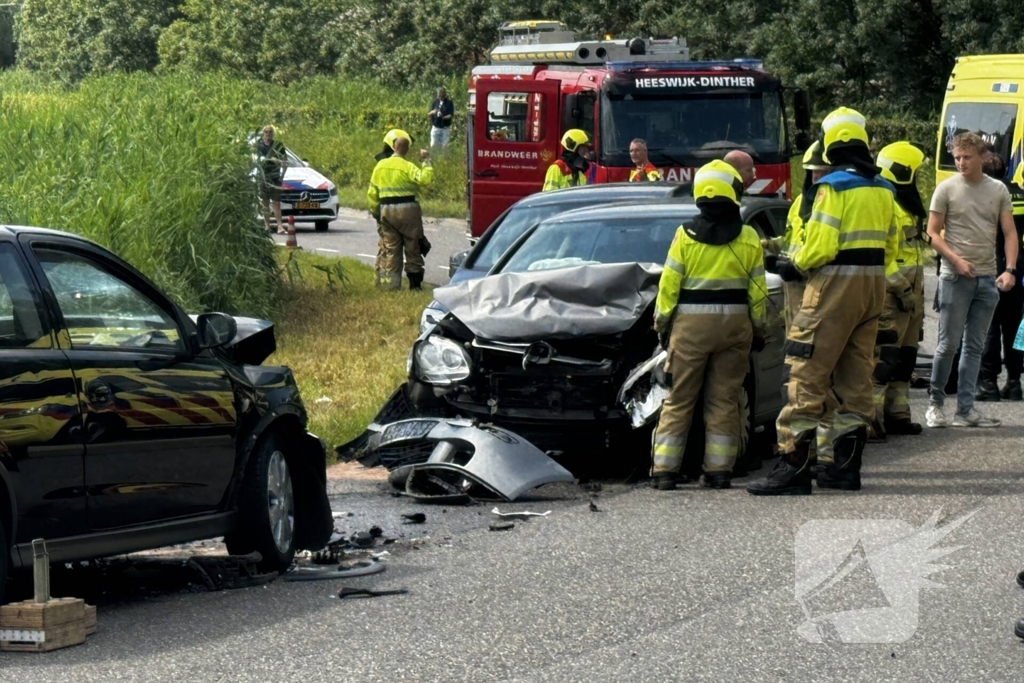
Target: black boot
column 1018, row 629
column 987, row 390
column 717, row 480
column 877, row 431
column 415, row 280
column 844, row 471
column 902, row 426
column 665, row 481
column 790, row 477
column 1012, row 391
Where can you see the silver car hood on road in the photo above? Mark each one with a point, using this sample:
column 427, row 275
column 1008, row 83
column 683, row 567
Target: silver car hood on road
column 565, row 303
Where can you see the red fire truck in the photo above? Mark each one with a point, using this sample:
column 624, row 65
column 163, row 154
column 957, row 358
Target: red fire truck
column 541, row 82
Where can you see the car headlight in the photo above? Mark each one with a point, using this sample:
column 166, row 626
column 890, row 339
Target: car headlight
column 430, row 317
column 441, row 361
column 334, row 191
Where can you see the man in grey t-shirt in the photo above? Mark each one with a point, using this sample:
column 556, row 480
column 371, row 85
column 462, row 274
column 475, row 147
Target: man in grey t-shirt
column 969, row 212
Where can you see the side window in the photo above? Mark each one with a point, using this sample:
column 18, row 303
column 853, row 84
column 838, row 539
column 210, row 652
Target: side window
column 20, row 323
column 102, row 310
column 515, row 117
column 780, row 215
column 762, row 224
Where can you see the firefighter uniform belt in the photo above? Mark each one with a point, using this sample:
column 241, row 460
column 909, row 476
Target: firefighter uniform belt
column 397, row 200
column 859, row 257
column 713, row 296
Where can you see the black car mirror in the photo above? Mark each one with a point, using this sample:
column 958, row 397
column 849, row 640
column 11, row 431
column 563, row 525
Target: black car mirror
column 455, row 261
column 215, row 329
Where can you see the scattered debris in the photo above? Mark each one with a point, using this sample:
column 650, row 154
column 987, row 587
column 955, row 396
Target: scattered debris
column 324, row 399
column 338, row 515
column 593, row 507
column 519, row 515
column 591, row 486
column 414, row 517
column 362, row 539
column 502, row 526
column 364, row 568
column 376, row 531
column 347, row 592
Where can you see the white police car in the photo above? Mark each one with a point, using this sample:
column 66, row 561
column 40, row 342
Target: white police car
column 306, row 194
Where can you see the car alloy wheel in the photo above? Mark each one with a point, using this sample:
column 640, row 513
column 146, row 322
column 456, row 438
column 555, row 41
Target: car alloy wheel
column 280, row 501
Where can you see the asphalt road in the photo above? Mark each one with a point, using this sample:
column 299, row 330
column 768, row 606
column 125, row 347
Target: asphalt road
column 692, row 585
column 354, row 234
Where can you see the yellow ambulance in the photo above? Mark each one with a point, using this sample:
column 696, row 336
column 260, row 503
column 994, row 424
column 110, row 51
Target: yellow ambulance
column 984, row 95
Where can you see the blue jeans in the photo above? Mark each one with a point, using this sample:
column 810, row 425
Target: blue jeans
column 966, row 306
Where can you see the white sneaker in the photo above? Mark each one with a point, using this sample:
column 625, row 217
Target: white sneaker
column 935, row 418
column 974, row 419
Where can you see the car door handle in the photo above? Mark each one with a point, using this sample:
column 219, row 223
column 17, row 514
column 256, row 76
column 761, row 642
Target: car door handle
column 489, row 173
column 99, row 393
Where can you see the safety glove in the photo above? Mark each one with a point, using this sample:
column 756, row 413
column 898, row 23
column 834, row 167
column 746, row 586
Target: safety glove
column 905, row 300
column 788, row 271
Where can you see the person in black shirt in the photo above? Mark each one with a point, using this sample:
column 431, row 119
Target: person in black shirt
column 442, row 110
column 272, row 160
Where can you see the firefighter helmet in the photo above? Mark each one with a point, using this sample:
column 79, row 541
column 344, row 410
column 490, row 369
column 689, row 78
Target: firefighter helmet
column 394, row 134
column 899, row 162
column 814, row 159
column 573, row 138
column 844, row 127
column 718, row 179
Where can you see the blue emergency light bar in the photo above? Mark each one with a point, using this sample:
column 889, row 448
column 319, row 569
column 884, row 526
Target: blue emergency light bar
column 737, row 64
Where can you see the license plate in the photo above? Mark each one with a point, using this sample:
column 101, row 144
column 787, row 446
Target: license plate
column 307, row 205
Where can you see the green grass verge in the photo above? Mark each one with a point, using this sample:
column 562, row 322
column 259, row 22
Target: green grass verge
column 345, row 342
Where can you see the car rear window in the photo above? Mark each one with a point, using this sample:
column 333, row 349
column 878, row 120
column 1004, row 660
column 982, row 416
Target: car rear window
column 618, row 240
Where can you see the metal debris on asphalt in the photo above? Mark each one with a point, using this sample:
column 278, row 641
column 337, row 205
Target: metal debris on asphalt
column 593, row 507
column 525, row 514
column 414, row 517
column 362, row 539
column 502, row 526
column 364, row 568
column 347, row 592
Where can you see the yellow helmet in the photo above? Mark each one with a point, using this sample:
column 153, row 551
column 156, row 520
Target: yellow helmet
column 842, row 127
column 814, row 158
column 899, row 162
column 718, row 179
column 573, row 138
column 394, row 134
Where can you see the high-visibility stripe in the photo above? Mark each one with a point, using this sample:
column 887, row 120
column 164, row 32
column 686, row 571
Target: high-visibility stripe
column 756, row 273
column 863, row 236
column 713, row 309
column 830, row 123
column 711, row 174
column 672, row 264
column 715, row 283
column 830, row 221
column 854, row 270
column 670, row 440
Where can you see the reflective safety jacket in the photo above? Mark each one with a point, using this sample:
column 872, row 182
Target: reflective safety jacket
column 713, row 279
column 794, row 236
column 852, row 223
column 911, row 254
column 559, row 175
column 396, row 180
column 651, row 173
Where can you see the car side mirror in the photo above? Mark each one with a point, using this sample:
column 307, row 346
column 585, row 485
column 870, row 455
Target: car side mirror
column 215, row 329
column 455, row 261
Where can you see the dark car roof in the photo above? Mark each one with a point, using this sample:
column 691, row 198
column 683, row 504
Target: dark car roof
column 663, row 209
column 604, row 192
column 18, row 229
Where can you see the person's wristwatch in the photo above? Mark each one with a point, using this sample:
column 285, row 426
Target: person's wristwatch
column 1012, row 271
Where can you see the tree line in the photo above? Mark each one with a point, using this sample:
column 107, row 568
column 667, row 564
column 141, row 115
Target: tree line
column 883, row 56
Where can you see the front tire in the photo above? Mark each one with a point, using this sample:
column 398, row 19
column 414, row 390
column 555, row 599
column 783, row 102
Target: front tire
column 322, row 226
column 266, row 508
column 5, row 555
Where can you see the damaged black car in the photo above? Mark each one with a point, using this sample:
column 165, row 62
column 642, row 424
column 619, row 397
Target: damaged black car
column 125, row 424
column 557, row 343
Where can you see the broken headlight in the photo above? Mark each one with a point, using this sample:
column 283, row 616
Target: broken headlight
column 440, row 361
column 431, row 316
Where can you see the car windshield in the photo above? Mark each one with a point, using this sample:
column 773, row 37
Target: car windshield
column 612, row 240
column 692, row 130
column 516, row 222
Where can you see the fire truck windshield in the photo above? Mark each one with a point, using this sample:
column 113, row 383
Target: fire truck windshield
column 692, row 129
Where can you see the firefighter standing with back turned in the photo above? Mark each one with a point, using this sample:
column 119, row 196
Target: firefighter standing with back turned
column 832, row 339
column 392, row 196
column 571, row 169
column 711, row 310
column 899, row 163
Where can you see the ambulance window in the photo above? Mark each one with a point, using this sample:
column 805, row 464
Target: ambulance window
column 515, row 117
column 20, row 324
column 993, row 122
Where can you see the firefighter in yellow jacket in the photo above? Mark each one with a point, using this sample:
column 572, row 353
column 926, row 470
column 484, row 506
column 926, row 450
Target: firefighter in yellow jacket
column 832, row 340
column 711, row 311
column 394, row 186
column 571, row 169
column 903, row 314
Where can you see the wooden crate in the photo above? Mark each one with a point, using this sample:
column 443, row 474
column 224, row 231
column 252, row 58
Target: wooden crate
column 33, row 627
column 90, row 619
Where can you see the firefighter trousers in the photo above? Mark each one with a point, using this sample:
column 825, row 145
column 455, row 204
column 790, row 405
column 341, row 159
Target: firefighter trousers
column 793, row 294
column 401, row 228
column 896, row 353
column 709, row 350
column 830, row 347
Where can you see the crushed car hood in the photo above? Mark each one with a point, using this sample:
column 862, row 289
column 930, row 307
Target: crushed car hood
column 555, row 304
column 253, row 343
